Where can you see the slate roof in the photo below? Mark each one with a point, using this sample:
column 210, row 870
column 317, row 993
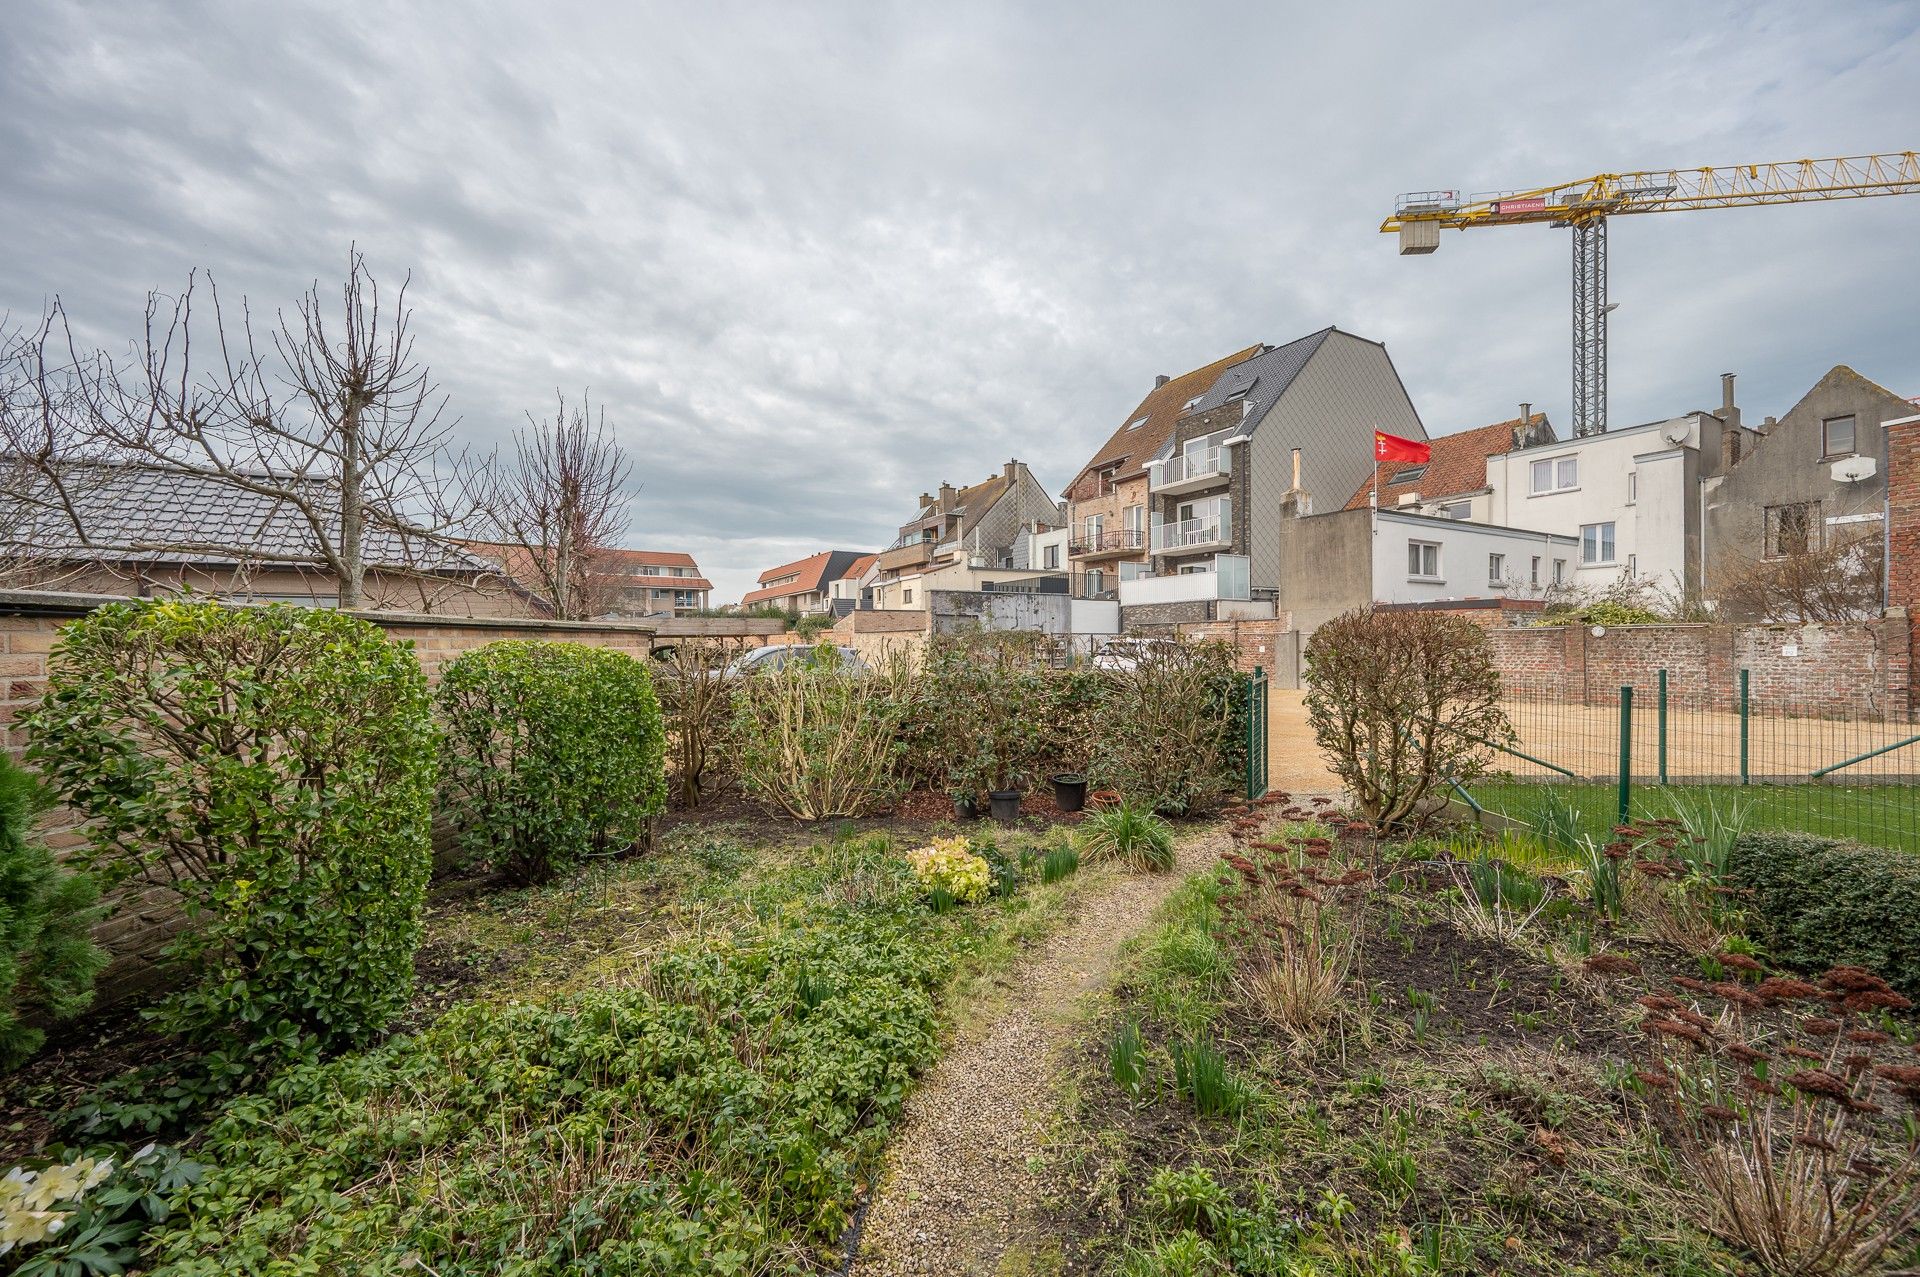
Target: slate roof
column 139, row 513
column 1458, row 465
column 1269, row 373
column 1164, row 405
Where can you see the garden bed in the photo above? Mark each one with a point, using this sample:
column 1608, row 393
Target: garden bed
column 1473, row 1101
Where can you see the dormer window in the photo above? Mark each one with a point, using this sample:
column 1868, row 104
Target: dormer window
column 1188, row 406
column 1241, row 392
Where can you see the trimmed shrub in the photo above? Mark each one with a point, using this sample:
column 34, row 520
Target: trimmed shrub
column 1401, row 703
column 1824, row 902
column 554, row 752
column 47, row 961
column 273, row 767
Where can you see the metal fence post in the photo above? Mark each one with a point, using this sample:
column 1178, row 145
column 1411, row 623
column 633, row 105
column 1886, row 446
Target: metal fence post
column 1745, row 691
column 1626, row 753
column 1256, row 734
column 1663, row 725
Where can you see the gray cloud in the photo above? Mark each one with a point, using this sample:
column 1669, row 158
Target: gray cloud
column 814, row 260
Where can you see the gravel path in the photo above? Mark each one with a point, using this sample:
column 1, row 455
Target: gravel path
column 957, row 1172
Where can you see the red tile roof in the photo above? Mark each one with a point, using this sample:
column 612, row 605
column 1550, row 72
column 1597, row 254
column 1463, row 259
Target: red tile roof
column 1133, row 447
column 809, row 572
column 651, row 559
column 1458, row 464
column 860, row 566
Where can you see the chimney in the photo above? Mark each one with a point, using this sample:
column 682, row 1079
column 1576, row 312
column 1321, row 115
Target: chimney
column 1523, row 433
column 926, row 499
column 1011, row 470
column 947, row 494
column 1161, row 380
column 1729, row 411
column 1295, row 502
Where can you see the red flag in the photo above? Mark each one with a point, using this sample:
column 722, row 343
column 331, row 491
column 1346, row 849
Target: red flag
column 1388, row 447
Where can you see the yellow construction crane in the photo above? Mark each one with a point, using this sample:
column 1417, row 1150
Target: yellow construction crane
column 1586, row 205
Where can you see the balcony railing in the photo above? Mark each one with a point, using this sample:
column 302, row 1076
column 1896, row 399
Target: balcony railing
column 1119, row 541
column 1192, row 534
column 1192, row 469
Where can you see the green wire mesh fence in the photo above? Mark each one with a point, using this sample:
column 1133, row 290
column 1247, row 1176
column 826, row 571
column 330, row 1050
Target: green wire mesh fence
column 1639, row 752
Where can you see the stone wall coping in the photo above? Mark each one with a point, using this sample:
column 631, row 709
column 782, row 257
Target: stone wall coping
column 64, row 603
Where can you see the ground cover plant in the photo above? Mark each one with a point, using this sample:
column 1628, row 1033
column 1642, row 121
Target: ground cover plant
column 1341, row 1054
column 682, row 1062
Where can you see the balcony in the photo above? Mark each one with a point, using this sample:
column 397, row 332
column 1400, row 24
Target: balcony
column 1191, row 471
column 1226, row 579
column 1210, row 532
column 1100, row 545
column 901, row 557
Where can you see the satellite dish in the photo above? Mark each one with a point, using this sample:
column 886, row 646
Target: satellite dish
column 1854, row 469
column 1675, row 434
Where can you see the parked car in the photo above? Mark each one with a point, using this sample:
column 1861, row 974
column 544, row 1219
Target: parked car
column 1128, row 653
column 780, row 656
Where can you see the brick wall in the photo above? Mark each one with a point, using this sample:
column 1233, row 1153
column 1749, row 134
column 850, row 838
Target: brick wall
column 1257, row 644
column 144, row 919
column 1859, row 669
column 1903, row 531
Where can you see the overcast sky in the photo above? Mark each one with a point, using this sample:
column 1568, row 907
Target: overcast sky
column 814, row 259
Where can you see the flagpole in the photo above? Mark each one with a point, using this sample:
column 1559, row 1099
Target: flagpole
column 1373, row 517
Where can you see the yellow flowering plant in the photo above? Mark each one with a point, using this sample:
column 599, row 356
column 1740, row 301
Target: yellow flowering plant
column 949, row 865
column 36, row 1204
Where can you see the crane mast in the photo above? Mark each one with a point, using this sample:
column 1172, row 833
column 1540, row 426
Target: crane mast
column 1585, row 206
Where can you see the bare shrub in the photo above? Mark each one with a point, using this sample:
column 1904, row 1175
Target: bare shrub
column 1789, row 1147
column 1838, row 582
column 1295, row 917
column 697, row 690
column 1402, row 703
column 1163, row 730
column 819, row 741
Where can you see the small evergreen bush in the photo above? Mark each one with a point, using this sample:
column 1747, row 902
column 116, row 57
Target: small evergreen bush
column 1824, row 902
column 273, row 767
column 46, row 959
column 555, row 752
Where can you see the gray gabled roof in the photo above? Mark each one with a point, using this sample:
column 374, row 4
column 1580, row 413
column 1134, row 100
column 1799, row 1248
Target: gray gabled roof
column 1266, row 377
column 140, row 513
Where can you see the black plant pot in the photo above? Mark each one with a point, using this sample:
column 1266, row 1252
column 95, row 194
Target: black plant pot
column 1005, row 804
column 966, row 807
column 1069, row 791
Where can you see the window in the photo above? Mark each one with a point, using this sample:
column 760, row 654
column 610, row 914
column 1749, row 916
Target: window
column 1559, row 571
column 906, row 595
column 1095, row 525
column 1792, row 529
column 1596, row 543
column 1533, row 575
column 1633, row 567
column 1050, row 557
column 1241, row 392
column 1096, row 582
column 1633, row 486
column 1195, row 569
column 1106, row 480
column 1836, row 437
column 1496, row 568
column 1188, row 405
column 1556, row 474
column 1134, row 518
column 1136, row 423
column 1458, row 510
column 1423, row 559
column 1408, row 475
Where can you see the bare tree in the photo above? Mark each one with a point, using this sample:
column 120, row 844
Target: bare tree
column 559, row 507
column 341, row 425
column 1838, row 582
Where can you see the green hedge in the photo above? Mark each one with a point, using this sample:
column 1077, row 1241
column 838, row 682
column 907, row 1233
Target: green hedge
column 1822, row 902
column 47, row 960
column 554, row 751
column 274, row 767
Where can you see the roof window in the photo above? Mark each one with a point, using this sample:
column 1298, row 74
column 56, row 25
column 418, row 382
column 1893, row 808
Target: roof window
column 1409, row 475
column 1241, row 392
column 1136, row 423
column 1188, row 405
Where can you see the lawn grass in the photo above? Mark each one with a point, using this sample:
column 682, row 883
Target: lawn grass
column 1882, row 815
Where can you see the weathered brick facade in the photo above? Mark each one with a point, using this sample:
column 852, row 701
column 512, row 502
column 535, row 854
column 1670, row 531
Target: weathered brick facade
column 1903, row 529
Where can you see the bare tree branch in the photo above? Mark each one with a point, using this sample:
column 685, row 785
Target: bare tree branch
column 559, row 508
